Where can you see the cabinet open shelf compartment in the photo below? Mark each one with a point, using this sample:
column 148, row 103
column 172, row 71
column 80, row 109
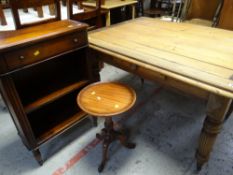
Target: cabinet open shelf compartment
column 56, row 117
column 54, row 95
column 44, row 83
column 41, row 76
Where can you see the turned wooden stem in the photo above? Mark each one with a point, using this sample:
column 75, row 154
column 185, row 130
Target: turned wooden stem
column 217, row 109
column 108, row 136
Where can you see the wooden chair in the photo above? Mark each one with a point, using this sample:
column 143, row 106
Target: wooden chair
column 106, row 100
column 158, row 8
column 63, row 2
column 225, row 18
column 2, row 16
column 92, row 16
column 24, row 4
column 38, row 9
column 201, row 12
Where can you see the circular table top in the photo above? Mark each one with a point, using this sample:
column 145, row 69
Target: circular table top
column 106, row 99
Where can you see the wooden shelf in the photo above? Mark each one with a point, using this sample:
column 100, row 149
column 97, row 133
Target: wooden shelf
column 65, row 125
column 54, row 95
column 55, row 118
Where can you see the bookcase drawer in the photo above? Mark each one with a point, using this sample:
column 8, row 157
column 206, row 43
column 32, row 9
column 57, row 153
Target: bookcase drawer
column 43, row 50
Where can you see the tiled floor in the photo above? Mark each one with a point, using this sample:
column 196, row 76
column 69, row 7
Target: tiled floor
column 165, row 125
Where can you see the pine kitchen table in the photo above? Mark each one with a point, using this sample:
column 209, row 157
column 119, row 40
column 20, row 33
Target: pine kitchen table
column 195, row 59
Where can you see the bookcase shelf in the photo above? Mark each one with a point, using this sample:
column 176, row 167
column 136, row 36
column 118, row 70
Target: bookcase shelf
column 54, row 95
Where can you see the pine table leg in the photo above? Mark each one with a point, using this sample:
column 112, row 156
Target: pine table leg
column 217, row 109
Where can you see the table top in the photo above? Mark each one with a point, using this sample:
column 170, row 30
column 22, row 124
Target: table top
column 106, row 99
column 111, row 4
column 198, row 55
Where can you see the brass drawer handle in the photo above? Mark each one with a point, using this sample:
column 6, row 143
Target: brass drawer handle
column 21, row 57
column 75, row 40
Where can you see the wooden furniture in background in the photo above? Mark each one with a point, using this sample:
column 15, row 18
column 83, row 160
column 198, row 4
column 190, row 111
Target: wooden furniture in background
column 42, row 68
column 113, row 4
column 86, row 14
column 159, row 8
column 2, row 16
column 201, row 12
column 226, row 22
column 99, row 100
column 38, row 9
column 187, row 58
column 24, row 4
column 225, row 19
column 63, row 2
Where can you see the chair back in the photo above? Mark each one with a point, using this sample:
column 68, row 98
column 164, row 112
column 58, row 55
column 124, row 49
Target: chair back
column 2, row 16
column 85, row 14
column 201, row 9
column 225, row 18
column 15, row 5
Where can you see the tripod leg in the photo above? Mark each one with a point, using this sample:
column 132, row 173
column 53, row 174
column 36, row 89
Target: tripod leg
column 124, row 142
column 105, row 154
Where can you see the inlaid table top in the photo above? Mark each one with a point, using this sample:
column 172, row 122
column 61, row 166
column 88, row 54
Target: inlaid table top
column 106, row 99
column 197, row 55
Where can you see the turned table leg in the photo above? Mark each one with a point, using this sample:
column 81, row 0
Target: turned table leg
column 38, row 156
column 217, row 109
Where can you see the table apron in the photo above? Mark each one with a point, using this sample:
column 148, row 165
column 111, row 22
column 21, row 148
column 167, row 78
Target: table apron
column 152, row 75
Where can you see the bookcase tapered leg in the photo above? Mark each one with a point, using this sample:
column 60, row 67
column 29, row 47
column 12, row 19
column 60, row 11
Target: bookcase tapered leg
column 38, row 156
column 217, row 109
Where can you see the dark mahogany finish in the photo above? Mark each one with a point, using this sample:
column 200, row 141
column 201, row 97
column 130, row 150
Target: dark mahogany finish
column 42, row 68
column 2, row 16
column 90, row 15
